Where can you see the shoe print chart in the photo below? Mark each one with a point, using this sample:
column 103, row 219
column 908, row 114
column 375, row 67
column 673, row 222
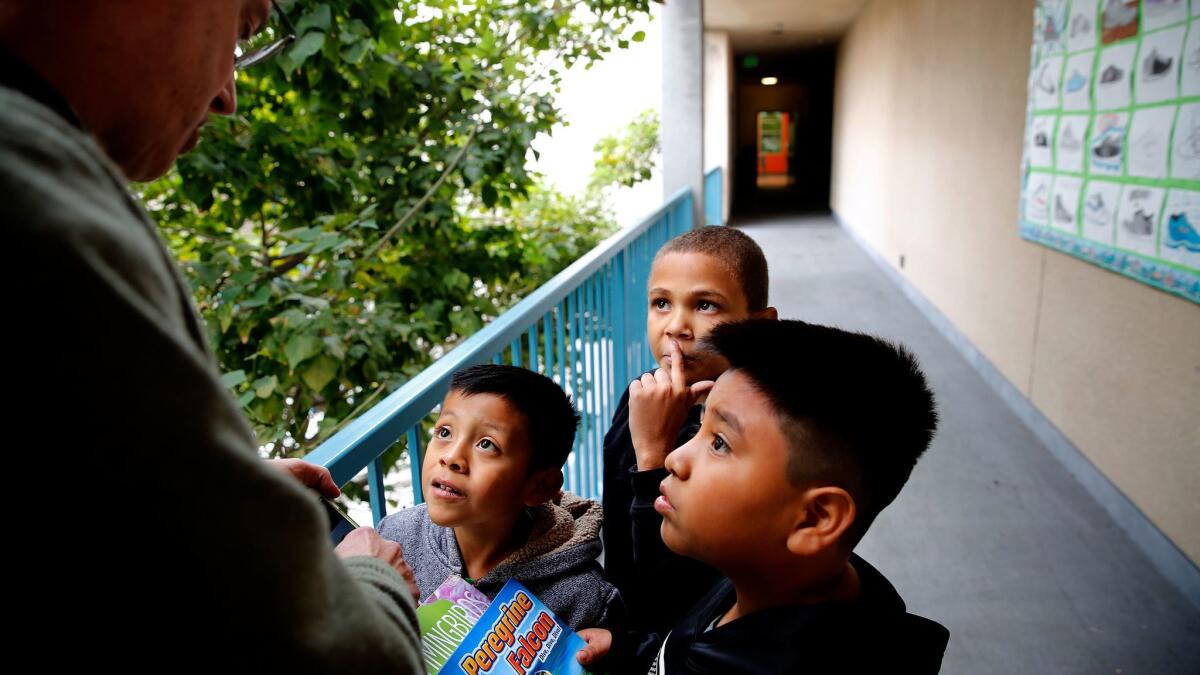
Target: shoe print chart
column 1111, row 159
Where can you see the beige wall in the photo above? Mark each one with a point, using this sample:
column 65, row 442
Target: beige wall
column 929, row 118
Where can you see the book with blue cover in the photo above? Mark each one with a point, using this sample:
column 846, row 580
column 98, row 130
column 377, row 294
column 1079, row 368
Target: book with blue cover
column 517, row 635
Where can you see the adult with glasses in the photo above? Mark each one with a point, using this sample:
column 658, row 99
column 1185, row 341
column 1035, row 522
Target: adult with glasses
column 145, row 532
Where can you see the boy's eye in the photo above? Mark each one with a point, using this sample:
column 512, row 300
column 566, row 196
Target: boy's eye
column 719, row 444
column 705, row 306
column 442, row 432
column 486, row 444
column 659, row 303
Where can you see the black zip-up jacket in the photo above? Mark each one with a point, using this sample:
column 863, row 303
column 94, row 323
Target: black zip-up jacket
column 658, row 587
column 873, row 634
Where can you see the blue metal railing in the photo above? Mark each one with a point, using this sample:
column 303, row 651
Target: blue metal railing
column 713, row 213
column 585, row 328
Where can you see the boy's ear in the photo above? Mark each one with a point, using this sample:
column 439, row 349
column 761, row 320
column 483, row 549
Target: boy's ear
column 768, row 313
column 824, row 515
column 542, row 486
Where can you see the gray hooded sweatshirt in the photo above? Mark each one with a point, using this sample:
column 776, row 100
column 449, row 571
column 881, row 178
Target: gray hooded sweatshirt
column 558, row 562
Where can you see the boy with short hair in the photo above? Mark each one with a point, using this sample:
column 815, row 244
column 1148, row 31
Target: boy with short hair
column 804, row 440
column 492, row 478
column 699, row 279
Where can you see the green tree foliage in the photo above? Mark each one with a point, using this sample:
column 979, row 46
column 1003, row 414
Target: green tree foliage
column 368, row 206
column 627, row 157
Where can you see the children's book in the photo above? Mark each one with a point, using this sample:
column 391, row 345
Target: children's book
column 446, row 617
column 516, row 635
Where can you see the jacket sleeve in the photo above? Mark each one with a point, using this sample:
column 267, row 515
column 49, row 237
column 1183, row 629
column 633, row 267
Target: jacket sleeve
column 224, row 540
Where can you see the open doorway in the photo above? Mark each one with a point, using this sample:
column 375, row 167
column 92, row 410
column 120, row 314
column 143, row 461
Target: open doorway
column 784, row 131
column 774, row 150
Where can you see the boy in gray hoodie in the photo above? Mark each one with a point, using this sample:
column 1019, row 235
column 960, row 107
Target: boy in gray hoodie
column 495, row 510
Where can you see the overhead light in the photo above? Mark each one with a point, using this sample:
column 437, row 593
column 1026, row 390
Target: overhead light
column 769, row 81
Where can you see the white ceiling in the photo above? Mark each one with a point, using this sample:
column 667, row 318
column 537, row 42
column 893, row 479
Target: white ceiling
column 767, row 25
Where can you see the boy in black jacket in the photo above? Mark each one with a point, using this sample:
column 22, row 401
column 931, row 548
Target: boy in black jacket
column 804, row 440
column 699, row 279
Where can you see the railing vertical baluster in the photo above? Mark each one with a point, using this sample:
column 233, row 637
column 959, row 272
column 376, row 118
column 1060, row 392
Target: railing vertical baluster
column 414, row 461
column 598, row 420
column 581, row 378
column 375, row 490
column 559, row 326
column 548, row 345
column 568, row 383
column 620, row 337
column 532, row 334
column 516, row 352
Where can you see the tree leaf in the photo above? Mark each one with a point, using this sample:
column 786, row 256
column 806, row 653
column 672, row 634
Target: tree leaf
column 305, row 47
column 320, row 372
column 301, row 347
column 233, row 378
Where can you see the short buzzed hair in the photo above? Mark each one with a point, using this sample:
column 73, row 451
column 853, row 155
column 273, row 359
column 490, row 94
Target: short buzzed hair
column 550, row 418
column 856, row 409
column 734, row 249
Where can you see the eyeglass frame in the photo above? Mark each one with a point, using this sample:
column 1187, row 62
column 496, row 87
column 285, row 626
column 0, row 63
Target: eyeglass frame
column 267, row 51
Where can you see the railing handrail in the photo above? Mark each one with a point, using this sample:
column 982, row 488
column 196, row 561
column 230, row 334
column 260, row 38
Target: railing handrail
column 365, row 438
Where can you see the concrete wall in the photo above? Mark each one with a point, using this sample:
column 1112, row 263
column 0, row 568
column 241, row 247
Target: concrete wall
column 929, row 117
column 718, row 111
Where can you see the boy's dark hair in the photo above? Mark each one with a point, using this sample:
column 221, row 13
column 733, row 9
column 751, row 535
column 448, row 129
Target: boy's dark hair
column 734, row 249
column 549, row 415
column 855, row 409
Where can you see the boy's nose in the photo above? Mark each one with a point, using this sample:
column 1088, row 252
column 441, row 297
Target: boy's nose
column 453, row 458
column 678, row 327
column 677, row 461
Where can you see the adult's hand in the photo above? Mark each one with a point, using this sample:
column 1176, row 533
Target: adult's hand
column 310, row 475
column 365, row 541
column 658, row 406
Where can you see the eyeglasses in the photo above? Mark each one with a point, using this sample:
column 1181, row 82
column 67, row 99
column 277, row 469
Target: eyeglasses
column 261, row 47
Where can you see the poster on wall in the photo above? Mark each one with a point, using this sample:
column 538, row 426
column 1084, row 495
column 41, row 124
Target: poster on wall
column 1111, row 169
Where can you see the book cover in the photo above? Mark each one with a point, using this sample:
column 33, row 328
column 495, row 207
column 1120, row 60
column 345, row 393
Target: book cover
column 517, row 635
column 446, row 617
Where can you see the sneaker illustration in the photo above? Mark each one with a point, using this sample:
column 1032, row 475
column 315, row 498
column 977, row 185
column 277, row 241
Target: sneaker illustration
column 1117, row 13
column 1188, row 146
column 1074, row 83
column 1140, row 223
column 1061, row 214
column 1155, row 67
column 1111, row 75
column 1080, row 25
column 1045, row 81
column 1182, row 234
column 1094, row 210
column 1067, row 140
column 1109, row 145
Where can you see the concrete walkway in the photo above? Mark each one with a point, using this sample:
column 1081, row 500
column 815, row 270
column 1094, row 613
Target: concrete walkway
column 991, row 537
